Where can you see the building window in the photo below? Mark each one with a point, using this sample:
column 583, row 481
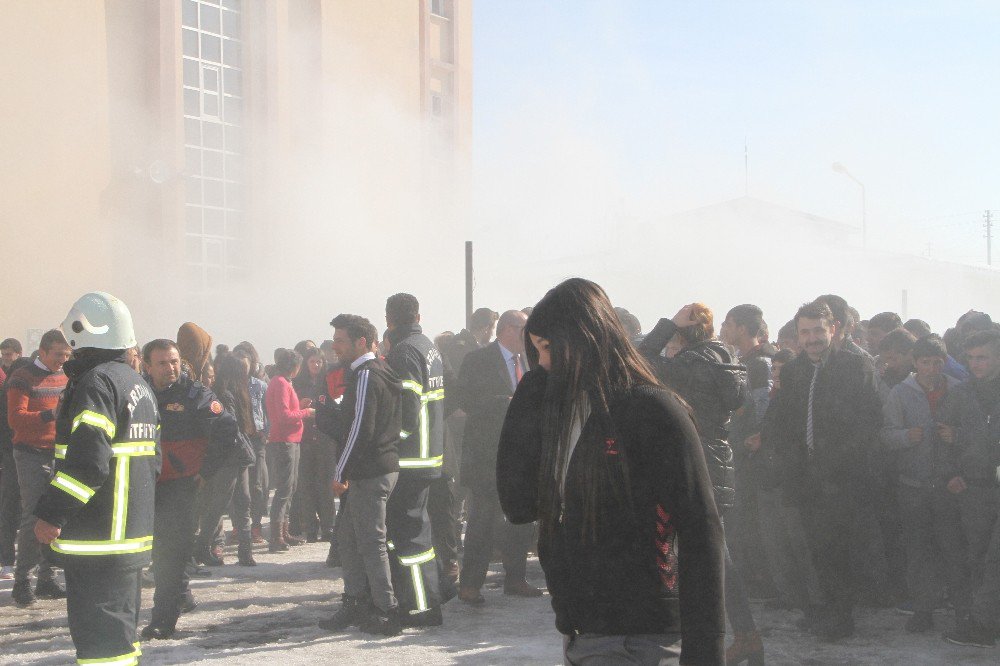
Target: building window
column 441, row 8
column 213, row 118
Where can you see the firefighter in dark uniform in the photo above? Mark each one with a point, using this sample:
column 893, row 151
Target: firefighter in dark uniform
column 197, row 434
column 97, row 514
column 417, row 362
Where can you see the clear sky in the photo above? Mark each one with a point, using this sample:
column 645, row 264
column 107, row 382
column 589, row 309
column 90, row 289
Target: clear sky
column 646, row 105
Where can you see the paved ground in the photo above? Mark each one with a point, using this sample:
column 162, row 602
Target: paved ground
column 258, row 615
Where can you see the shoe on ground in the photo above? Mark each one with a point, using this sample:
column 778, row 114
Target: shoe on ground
column 156, row 631
column 22, row 594
column 521, row 588
column 50, row 589
column 352, row 613
column 6, row 573
column 257, row 534
column 428, row 618
column 835, row 629
column 194, row 571
column 382, row 623
column 920, row 622
column 971, row 633
column 471, row 595
column 208, row 557
column 279, row 546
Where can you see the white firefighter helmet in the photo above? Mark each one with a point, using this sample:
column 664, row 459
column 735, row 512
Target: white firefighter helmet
column 99, row 321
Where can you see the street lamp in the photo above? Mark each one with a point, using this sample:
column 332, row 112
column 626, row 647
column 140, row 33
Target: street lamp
column 841, row 169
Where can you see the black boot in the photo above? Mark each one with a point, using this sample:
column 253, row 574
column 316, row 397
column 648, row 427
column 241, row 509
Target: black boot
column 382, row 623
column 157, row 631
column 352, row 612
column 204, row 555
column 244, row 553
column 49, row 589
column 22, row 594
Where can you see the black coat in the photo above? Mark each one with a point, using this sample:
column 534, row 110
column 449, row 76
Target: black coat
column 106, row 466
column 483, row 391
column 630, row 578
column 714, row 384
column 847, row 415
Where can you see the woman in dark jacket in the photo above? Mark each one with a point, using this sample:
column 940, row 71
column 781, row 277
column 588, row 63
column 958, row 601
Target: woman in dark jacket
column 713, row 382
column 312, row 511
column 610, row 465
column 231, row 385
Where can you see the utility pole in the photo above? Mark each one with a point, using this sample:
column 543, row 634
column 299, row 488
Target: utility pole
column 468, row 283
column 989, row 237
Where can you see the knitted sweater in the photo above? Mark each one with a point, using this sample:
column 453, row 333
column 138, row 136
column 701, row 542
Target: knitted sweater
column 32, row 397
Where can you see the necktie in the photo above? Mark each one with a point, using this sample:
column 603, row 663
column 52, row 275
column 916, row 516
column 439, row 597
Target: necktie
column 809, row 412
column 517, row 370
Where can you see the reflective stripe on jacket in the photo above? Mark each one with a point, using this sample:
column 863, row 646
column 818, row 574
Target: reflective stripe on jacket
column 107, row 459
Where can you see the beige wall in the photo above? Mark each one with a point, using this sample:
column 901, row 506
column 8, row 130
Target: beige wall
column 54, row 161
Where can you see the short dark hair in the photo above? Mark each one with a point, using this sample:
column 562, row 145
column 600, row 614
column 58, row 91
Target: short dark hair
column 286, row 361
column 52, row 337
column 918, row 327
column 629, row 322
column 357, row 327
column 160, row 344
column 11, row 344
column 900, row 341
column 483, row 317
column 929, row 345
column 788, row 330
column 814, row 310
column 783, row 356
column 749, row 317
column 839, row 307
column 885, row 321
column 989, row 338
column 402, row 309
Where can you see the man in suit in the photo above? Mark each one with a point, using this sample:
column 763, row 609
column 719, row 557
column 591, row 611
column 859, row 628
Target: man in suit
column 486, row 382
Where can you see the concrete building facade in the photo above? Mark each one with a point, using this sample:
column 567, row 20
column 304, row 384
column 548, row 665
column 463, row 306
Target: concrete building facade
column 225, row 161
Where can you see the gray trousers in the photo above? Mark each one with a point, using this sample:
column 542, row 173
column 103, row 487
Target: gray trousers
column 599, row 649
column 981, row 524
column 34, row 473
column 10, row 507
column 361, row 539
column 788, row 550
column 283, row 470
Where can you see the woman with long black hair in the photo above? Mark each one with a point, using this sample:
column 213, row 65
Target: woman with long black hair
column 610, row 464
column 232, row 381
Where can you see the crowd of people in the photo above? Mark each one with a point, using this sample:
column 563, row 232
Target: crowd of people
column 853, row 461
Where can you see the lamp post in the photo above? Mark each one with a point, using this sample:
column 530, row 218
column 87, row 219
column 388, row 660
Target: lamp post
column 841, row 169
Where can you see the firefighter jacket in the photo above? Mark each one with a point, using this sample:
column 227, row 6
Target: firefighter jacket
column 198, row 433
column 107, row 456
column 419, row 365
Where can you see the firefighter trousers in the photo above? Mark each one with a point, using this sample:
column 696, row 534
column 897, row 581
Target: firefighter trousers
column 173, row 540
column 102, row 603
column 411, row 553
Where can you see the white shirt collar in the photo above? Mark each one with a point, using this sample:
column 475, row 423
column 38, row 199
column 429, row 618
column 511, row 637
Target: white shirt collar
column 507, row 354
column 362, row 359
column 41, row 365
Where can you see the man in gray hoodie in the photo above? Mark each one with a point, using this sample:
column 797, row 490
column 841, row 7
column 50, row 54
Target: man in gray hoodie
column 929, row 511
